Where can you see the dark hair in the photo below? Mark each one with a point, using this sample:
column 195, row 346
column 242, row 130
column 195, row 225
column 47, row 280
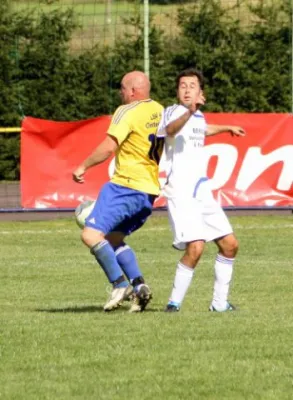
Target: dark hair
column 191, row 72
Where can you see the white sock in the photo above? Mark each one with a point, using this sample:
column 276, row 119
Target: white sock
column 223, row 277
column 182, row 281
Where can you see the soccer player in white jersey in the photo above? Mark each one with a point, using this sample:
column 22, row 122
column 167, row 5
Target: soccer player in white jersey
column 194, row 214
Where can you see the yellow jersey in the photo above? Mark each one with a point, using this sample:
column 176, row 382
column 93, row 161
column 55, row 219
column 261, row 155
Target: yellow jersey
column 134, row 127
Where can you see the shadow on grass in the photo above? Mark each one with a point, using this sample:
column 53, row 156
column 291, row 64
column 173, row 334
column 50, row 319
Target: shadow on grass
column 75, row 309
column 88, row 309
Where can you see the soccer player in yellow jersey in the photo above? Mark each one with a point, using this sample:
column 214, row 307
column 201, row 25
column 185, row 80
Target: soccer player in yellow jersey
column 125, row 202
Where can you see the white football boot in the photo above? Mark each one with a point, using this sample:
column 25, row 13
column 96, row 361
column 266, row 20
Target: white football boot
column 118, row 295
column 141, row 298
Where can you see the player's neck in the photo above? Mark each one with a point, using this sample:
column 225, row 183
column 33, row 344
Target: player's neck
column 141, row 97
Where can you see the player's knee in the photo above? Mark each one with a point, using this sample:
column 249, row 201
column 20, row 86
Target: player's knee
column 91, row 237
column 231, row 247
column 194, row 251
column 116, row 239
column 234, row 247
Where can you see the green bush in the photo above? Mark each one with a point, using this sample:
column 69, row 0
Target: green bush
column 246, row 70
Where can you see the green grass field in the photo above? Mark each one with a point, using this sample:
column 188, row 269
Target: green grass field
column 57, row 343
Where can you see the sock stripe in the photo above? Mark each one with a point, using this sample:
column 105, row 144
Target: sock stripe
column 121, row 249
column 224, row 260
column 98, row 246
column 102, row 243
column 185, row 269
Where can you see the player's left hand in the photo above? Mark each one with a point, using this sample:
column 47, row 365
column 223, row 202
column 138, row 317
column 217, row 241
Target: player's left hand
column 237, row 131
column 78, row 174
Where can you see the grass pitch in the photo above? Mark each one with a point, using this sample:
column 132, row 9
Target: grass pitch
column 57, row 343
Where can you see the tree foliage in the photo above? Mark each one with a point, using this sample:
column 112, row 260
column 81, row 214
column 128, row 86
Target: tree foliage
column 246, row 68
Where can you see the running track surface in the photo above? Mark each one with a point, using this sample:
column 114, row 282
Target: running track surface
column 10, row 199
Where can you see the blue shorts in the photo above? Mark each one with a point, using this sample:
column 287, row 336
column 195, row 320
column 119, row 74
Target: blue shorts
column 120, row 209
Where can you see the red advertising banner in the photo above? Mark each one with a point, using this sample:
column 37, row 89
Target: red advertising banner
column 255, row 170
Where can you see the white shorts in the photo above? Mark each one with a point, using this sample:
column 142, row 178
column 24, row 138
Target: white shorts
column 200, row 218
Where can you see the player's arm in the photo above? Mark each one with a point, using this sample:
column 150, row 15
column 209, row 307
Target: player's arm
column 118, row 130
column 100, row 154
column 216, row 129
column 175, row 126
column 170, row 124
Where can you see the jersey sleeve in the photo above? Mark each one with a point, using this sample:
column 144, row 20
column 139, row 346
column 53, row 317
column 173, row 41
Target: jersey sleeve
column 161, row 131
column 120, row 126
column 169, row 115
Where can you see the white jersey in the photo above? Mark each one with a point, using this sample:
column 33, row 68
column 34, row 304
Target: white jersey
column 185, row 155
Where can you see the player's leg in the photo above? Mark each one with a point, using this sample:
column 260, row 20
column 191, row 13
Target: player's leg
column 135, row 207
column 101, row 220
column 186, row 223
column 126, row 257
column 105, row 256
column 228, row 247
column 184, row 274
column 219, row 230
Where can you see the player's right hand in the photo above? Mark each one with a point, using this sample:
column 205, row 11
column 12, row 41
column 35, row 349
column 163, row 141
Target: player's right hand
column 200, row 101
column 78, row 174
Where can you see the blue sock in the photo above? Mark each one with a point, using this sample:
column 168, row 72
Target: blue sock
column 127, row 261
column 106, row 257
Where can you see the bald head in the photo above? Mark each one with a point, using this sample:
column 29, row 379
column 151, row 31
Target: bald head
column 135, row 86
column 138, row 80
